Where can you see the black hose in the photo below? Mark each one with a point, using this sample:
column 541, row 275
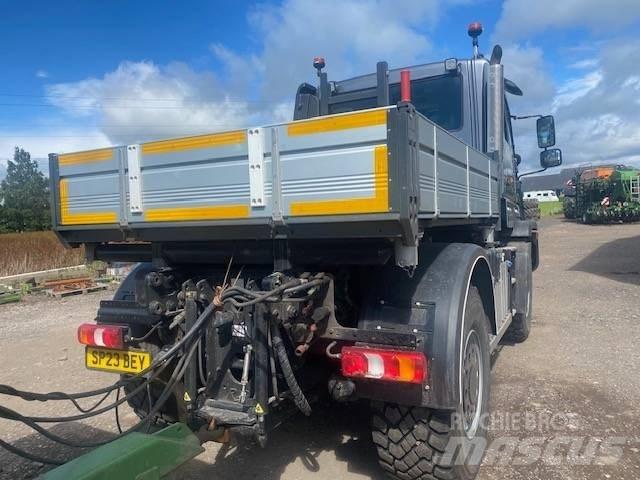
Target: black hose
column 44, row 397
column 12, row 415
column 298, row 395
column 117, row 412
column 27, row 455
column 9, row 414
column 139, row 388
column 265, row 296
column 82, row 416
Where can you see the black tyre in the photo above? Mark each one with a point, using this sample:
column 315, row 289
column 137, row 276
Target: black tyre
column 420, row 443
column 531, row 208
column 173, row 410
column 520, row 326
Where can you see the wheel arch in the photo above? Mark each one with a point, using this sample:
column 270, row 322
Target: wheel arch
column 442, row 279
column 482, row 278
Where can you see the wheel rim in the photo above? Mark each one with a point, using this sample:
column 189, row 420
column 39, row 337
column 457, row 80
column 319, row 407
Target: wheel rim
column 472, row 384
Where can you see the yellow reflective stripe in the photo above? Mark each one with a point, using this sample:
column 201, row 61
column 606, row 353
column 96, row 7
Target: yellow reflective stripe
column 191, row 143
column 377, row 204
column 340, row 122
column 182, row 214
column 85, row 218
column 85, row 157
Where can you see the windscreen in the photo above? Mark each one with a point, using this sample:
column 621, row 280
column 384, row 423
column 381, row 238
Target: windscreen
column 437, row 98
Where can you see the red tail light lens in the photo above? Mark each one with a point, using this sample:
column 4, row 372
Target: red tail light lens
column 111, row 336
column 389, row 365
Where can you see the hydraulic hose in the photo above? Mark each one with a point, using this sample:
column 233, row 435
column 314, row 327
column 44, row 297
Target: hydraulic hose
column 159, row 362
column 12, row 415
column 29, row 456
column 298, row 395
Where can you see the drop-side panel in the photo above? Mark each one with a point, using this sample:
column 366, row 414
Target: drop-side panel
column 427, row 167
column 87, row 187
column 326, row 170
column 452, row 175
column 455, row 180
column 343, row 176
column 335, row 166
column 201, row 178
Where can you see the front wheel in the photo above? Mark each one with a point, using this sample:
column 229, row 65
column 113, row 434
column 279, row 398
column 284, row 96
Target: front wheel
column 416, row 443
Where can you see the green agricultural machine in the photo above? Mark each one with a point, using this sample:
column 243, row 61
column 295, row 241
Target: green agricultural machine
column 604, row 195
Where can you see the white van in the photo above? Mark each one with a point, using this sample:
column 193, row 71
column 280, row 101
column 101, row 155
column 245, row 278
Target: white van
column 541, row 196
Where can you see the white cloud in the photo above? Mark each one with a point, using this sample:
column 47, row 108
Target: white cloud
column 137, row 101
column 525, row 66
column 352, row 35
column 42, row 141
column 575, row 88
column 142, row 100
column 42, row 74
column 596, row 112
column 523, row 18
column 586, row 63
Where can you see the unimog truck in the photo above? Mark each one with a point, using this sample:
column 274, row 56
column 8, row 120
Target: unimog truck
column 373, row 248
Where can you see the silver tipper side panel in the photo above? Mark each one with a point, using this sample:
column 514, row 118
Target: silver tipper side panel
column 369, row 173
column 255, row 145
column 135, row 178
column 455, row 180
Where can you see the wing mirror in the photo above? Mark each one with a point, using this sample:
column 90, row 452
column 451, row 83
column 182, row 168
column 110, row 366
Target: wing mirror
column 517, row 158
column 550, row 158
column 546, row 129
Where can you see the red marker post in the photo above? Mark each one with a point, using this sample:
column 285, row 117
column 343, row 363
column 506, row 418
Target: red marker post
column 405, row 86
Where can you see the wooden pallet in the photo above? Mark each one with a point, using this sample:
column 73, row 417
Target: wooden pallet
column 77, row 291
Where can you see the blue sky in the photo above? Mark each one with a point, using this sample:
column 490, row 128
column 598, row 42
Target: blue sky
column 79, row 75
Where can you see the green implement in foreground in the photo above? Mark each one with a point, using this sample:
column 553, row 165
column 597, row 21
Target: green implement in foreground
column 10, row 297
column 136, row 456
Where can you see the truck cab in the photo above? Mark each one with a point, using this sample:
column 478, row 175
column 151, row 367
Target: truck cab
column 452, row 93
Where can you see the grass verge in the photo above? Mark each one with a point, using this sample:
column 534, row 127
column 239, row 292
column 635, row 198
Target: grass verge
column 548, row 209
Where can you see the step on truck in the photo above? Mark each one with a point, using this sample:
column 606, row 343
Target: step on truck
column 373, row 248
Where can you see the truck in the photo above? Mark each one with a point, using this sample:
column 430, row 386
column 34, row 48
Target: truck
column 374, row 249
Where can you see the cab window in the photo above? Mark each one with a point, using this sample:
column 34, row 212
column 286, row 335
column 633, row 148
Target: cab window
column 437, row 98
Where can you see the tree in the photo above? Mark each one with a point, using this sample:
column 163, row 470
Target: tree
column 24, row 196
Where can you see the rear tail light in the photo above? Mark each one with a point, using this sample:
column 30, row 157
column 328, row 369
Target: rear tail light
column 390, row 365
column 111, row 336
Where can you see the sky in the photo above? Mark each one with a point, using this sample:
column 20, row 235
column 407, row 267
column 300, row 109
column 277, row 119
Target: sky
column 81, row 75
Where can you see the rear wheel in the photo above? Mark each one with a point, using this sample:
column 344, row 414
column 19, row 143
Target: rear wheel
column 173, row 410
column 420, row 443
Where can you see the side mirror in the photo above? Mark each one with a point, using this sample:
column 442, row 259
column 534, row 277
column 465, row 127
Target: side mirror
column 551, row 158
column 546, row 129
column 517, row 158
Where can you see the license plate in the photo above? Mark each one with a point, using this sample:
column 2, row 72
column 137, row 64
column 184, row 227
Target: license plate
column 118, row 361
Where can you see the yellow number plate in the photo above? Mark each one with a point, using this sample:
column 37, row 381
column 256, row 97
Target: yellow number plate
column 118, row 361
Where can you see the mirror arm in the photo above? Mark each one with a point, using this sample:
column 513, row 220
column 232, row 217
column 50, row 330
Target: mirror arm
column 531, row 173
column 524, row 117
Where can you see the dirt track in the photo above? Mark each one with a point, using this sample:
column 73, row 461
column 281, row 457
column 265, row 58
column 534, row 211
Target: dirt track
column 572, row 386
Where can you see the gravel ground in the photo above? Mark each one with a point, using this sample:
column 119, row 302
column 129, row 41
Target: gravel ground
column 566, row 403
